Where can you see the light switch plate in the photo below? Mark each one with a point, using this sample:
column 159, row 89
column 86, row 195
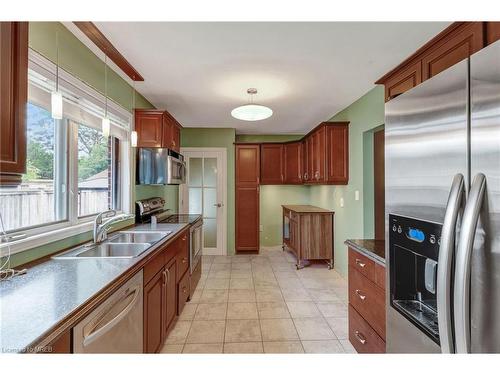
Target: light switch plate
column 356, row 195
column 341, row 202
column 261, row 228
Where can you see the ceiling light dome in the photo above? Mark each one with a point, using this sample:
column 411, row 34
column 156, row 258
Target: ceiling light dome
column 252, row 112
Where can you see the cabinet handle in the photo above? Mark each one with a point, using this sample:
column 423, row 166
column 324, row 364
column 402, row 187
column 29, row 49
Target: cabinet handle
column 164, row 275
column 282, row 178
column 184, row 238
column 360, row 337
column 184, row 290
column 361, row 296
column 184, row 260
column 360, row 263
column 168, row 275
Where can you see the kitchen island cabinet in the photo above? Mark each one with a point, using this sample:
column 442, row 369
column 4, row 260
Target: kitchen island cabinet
column 308, row 233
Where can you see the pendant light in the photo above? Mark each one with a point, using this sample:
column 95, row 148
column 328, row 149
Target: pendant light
column 56, row 99
column 133, row 134
column 105, row 120
column 252, row 112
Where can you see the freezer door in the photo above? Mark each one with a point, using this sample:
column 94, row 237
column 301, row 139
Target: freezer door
column 485, row 159
column 426, row 147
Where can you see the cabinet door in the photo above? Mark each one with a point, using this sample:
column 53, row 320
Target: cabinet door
column 176, row 138
column 406, row 79
column 170, row 292
column 13, row 99
column 153, row 313
column 149, row 128
column 271, row 164
column 305, row 160
column 166, row 132
column 247, row 165
column 454, row 49
column 247, row 218
column 310, row 159
column 320, row 154
column 337, row 154
column 293, row 156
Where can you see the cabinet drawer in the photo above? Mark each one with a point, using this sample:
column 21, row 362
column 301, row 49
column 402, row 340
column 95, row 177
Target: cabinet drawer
column 153, row 267
column 182, row 255
column 362, row 336
column 183, row 292
column 362, row 264
column 368, row 299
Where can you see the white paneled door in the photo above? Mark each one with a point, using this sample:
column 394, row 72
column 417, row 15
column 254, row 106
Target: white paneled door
column 205, row 193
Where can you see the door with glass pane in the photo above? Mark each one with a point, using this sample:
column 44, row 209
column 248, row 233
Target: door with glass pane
column 205, row 193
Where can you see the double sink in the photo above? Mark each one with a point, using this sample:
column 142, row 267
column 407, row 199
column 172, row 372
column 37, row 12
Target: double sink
column 124, row 244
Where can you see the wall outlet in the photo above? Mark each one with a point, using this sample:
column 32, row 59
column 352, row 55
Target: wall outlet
column 261, row 228
column 341, row 202
column 356, row 195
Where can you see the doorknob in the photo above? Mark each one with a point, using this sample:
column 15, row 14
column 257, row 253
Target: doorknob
column 218, row 205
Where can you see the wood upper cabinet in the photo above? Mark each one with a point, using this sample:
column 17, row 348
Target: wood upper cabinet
column 247, row 197
column 406, row 79
column 157, row 128
column 149, row 125
column 337, row 146
column 153, row 313
column 248, row 164
column 452, row 45
column 453, row 49
column 272, row 163
column 319, row 155
column 293, row 163
column 13, row 99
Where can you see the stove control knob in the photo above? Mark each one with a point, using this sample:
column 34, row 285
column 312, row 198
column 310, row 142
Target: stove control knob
column 432, row 239
column 394, row 228
column 399, row 229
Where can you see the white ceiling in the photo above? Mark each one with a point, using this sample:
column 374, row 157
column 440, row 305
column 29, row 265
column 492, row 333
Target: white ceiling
column 306, row 72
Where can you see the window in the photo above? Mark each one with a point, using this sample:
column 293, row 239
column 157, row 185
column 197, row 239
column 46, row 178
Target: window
column 98, row 168
column 41, row 198
column 73, row 171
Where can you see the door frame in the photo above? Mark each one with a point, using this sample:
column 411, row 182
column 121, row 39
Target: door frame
column 183, row 197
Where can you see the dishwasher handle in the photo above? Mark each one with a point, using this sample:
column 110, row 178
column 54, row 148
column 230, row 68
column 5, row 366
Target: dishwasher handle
column 94, row 334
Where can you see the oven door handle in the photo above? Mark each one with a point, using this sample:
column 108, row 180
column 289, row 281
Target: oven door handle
column 454, row 209
column 461, row 297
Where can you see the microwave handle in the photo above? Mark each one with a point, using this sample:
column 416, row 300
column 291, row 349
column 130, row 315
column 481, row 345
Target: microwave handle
column 445, row 262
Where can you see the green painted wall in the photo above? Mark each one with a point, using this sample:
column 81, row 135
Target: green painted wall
column 364, row 115
column 217, row 137
column 77, row 59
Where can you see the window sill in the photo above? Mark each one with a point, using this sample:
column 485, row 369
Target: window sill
column 44, row 238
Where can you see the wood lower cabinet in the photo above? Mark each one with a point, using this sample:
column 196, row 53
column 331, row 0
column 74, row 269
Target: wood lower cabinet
column 154, row 296
column 157, row 128
column 162, row 302
column 308, row 233
column 247, row 197
column 366, row 303
column 13, row 99
column 272, row 163
column 293, row 163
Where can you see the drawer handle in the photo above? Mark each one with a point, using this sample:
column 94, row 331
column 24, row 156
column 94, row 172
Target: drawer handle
column 360, row 337
column 184, row 238
column 362, row 297
column 360, row 263
column 184, row 260
column 184, row 290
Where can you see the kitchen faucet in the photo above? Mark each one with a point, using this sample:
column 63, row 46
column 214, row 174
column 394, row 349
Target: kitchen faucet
column 101, row 227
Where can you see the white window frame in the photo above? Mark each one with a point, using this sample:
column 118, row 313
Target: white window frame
column 76, row 92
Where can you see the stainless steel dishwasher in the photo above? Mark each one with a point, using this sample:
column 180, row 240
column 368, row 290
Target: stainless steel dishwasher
column 116, row 325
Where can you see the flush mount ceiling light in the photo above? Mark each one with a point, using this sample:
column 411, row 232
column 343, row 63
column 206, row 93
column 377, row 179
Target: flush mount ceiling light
column 252, row 112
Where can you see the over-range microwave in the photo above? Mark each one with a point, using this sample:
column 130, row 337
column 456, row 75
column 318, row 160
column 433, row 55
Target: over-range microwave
column 160, row 166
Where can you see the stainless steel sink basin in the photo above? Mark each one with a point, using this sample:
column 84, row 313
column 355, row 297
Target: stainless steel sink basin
column 138, row 237
column 106, row 250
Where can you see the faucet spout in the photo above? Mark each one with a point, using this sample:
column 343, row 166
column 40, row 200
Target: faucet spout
column 101, row 227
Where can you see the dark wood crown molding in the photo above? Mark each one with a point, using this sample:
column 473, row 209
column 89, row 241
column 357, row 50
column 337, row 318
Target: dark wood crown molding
column 98, row 38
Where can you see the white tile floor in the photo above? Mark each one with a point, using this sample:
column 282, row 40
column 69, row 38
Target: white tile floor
column 262, row 304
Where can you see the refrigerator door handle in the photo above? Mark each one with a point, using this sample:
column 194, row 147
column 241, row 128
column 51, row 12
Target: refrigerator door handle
column 445, row 263
column 461, row 294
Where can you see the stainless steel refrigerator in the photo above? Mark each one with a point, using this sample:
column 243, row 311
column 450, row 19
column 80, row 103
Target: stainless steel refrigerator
column 443, row 211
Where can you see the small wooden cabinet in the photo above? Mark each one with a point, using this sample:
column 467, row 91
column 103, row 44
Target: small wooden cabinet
column 13, row 99
column 162, row 301
column 366, row 303
column 337, row 148
column 157, row 128
column 308, row 233
column 247, row 197
column 272, row 163
column 293, row 163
